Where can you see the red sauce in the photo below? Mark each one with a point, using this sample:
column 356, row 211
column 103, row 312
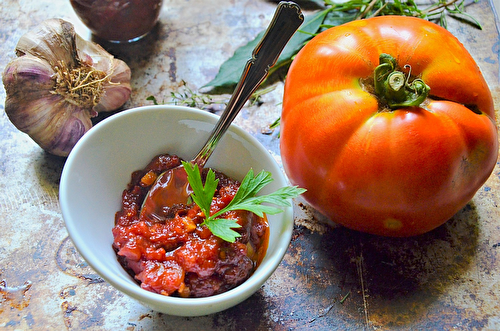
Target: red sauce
column 118, row 20
column 177, row 256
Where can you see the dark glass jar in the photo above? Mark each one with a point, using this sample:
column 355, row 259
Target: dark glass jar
column 118, row 20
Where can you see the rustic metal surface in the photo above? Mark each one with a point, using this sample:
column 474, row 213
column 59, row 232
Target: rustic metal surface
column 331, row 278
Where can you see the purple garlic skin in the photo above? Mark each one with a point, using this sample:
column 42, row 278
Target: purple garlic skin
column 58, row 83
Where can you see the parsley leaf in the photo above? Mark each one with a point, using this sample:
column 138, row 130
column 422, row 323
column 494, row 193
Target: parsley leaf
column 202, row 195
column 223, row 228
column 245, row 199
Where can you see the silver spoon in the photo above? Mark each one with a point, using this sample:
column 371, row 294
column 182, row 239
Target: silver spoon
column 171, row 187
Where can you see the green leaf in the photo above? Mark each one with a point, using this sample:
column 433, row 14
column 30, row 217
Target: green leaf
column 152, row 98
column 250, row 185
column 202, row 195
column 254, row 204
column 230, row 71
column 338, row 17
column 307, row 30
column 223, row 228
column 281, row 197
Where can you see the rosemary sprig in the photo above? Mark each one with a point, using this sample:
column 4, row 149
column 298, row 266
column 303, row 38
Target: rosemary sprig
column 436, row 11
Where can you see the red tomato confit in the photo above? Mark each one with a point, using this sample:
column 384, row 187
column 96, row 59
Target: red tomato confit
column 178, row 256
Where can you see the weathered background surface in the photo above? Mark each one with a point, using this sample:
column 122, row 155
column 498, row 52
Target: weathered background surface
column 331, row 277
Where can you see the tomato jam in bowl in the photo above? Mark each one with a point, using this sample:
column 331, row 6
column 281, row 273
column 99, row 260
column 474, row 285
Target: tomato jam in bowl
column 175, row 254
column 99, row 169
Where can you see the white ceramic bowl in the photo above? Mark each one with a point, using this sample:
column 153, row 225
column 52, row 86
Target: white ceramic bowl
column 99, row 168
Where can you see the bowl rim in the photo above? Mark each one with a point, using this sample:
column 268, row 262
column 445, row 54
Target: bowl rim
column 223, row 300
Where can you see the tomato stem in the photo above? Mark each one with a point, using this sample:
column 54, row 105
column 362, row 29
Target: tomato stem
column 394, row 87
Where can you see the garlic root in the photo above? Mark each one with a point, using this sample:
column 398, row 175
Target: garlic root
column 59, row 82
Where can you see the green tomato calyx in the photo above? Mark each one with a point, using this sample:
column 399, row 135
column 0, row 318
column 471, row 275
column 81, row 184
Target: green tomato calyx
column 393, row 87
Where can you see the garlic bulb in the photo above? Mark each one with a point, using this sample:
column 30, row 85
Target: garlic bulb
column 59, row 82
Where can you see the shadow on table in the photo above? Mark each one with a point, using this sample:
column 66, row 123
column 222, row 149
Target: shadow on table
column 353, row 280
column 48, row 169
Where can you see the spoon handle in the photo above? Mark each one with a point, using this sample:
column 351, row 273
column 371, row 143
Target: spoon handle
column 287, row 19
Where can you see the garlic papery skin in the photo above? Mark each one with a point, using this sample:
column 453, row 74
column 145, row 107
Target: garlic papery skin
column 59, row 82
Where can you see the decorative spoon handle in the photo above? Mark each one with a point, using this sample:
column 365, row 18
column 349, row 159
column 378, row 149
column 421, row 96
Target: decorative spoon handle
column 287, row 19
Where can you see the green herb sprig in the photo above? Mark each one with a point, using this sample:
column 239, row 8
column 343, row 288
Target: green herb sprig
column 185, row 96
column 333, row 13
column 246, row 198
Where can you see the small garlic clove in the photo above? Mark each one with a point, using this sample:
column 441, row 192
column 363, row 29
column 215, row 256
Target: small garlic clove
column 54, row 124
column 53, row 41
column 62, row 131
column 26, row 80
column 112, row 98
column 93, row 54
column 115, row 94
column 117, row 89
column 28, row 75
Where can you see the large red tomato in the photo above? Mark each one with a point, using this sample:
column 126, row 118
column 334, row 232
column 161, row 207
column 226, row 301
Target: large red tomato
column 388, row 124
